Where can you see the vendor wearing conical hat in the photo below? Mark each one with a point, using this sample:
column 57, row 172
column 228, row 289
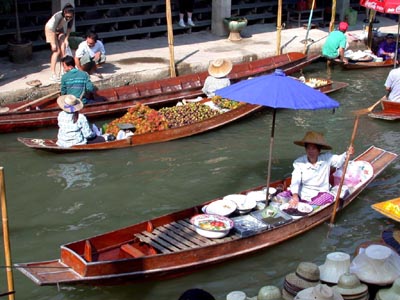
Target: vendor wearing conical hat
column 217, row 79
column 74, row 128
column 311, row 172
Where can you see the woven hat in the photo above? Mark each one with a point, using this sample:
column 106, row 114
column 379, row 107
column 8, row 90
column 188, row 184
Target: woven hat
column 343, row 26
column 236, row 295
column 390, row 36
column 350, row 285
column 336, row 264
column 313, row 137
column 306, row 275
column 391, row 293
column 220, row 68
column 377, row 264
column 269, row 292
column 319, row 292
column 69, row 103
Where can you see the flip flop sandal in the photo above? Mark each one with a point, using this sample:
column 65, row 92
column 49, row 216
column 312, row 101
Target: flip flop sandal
column 35, row 83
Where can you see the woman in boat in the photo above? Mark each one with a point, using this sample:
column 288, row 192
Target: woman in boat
column 217, row 70
column 74, row 128
column 336, row 43
column 310, row 176
column 57, row 35
column 387, row 48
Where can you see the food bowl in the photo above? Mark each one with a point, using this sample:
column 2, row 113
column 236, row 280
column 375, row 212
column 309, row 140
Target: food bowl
column 244, row 204
column 212, row 226
column 222, row 207
column 261, row 195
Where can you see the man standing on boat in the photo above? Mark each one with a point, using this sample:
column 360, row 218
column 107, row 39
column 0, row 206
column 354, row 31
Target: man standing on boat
column 75, row 82
column 392, row 85
column 335, row 44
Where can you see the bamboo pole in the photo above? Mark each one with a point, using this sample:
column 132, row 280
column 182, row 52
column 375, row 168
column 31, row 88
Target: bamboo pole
column 170, row 39
column 308, row 27
column 279, row 28
column 7, row 252
column 333, row 16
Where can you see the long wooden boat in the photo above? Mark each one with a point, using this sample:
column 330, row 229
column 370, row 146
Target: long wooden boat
column 389, row 208
column 169, row 245
column 390, row 110
column 43, row 111
column 366, row 65
column 227, row 117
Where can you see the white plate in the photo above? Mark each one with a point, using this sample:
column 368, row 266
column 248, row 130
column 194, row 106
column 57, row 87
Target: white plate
column 222, row 207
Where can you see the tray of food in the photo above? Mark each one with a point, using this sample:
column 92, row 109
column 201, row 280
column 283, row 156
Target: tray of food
column 247, row 225
column 272, row 216
column 389, row 208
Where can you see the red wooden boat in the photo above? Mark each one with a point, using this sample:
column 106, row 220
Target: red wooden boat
column 43, row 111
column 165, row 135
column 368, row 64
column 390, row 110
column 170, row 245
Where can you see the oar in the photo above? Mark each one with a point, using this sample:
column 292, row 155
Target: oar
column 358, row 113
column 35, row 101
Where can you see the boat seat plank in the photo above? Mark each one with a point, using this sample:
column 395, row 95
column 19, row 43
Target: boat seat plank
column 170, row 239
column 189, row 234
column 155, row 245
column 132, row 251
column 159, row 239
column 180, row 236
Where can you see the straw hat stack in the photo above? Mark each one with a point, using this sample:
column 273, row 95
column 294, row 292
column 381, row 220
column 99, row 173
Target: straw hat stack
column 336, row 264
column 306, row 276
column 269, row 292
column 391, row 293
column 319, row 292
column 378, row 265
column 350, row 287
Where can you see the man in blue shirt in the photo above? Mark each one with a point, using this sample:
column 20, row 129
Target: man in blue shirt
column 336, row 44
column 75, row 82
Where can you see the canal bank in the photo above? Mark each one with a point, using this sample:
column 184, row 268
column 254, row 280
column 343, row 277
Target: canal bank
column 135, row 61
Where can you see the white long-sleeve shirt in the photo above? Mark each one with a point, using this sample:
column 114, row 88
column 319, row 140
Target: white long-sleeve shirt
column 308, row 179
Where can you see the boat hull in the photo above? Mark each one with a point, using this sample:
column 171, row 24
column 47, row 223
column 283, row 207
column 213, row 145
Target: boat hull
column 33, row 114
column 390, row 111
column 169, row 246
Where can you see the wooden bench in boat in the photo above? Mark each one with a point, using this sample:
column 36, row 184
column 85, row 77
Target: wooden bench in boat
column 178, row 236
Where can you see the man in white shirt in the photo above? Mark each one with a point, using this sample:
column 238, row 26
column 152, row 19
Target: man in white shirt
column 90, row 54
column 392, row 85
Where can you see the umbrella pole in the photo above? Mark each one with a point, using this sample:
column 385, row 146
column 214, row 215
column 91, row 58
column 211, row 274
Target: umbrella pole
column 271, row 146
column 170, row 39
column 7, row 251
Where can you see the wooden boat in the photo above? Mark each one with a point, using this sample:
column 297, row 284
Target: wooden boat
column 352, row 65
column 43, row 111
column 164, row 135
column 169, row 245
column 390, row 110
column 389, row 208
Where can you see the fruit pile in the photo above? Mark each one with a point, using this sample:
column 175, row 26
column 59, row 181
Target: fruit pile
column 190, row 113
column 143, row 117
column 225, row 103
column 314, row 82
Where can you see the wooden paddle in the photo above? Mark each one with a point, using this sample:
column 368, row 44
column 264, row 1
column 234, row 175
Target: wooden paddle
column 35, row 101
column 358, row 113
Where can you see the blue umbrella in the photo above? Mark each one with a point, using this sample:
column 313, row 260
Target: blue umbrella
column 277, row 91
